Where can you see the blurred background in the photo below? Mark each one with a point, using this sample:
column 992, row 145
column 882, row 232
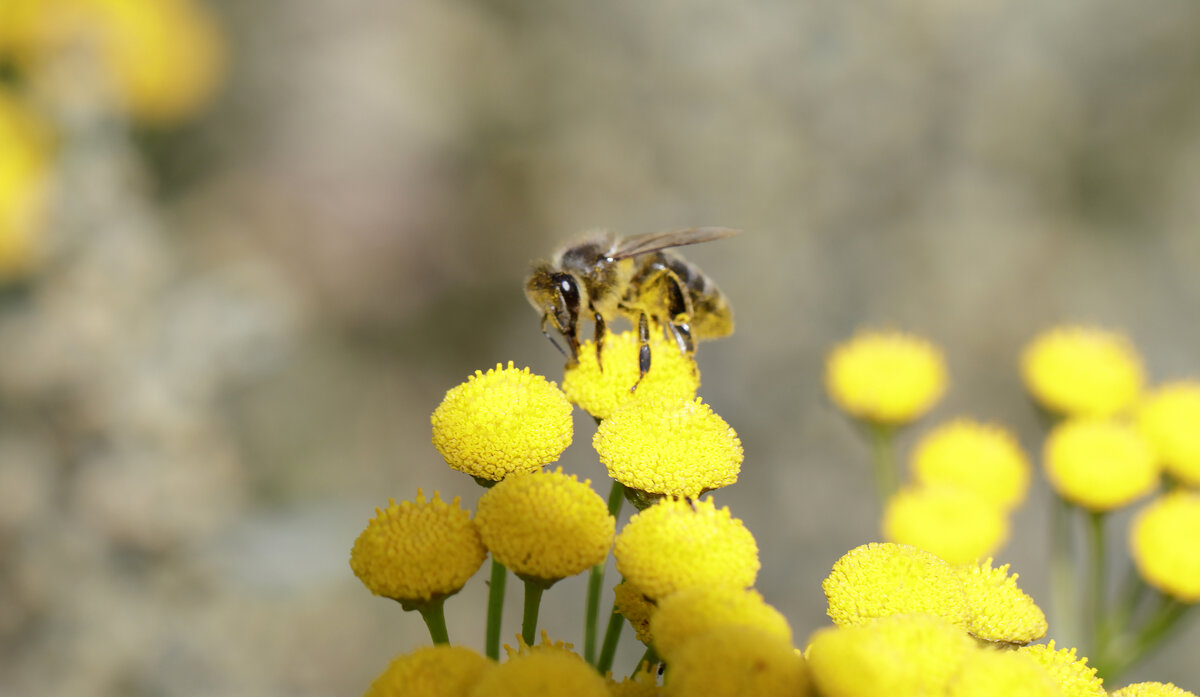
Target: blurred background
column 247, row 246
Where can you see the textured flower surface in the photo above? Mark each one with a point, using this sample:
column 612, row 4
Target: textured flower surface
column 669, row 445
column 1000, row 612
column 1164, row 542
column 545, row 525
column 634, row 606
column 416, row 551
column 677, row 544
column 1152, row 689
column 600, row 392
column 1168, row 417
column 881, row 579
column 694, row 611
column 1074, row 676
column 1100, row 464
column 737, row 660
column 542, row 673
column 955, row 524
column 985, row 673
column 886, row 377
column 502, row 421
column 1082, row 371
column 431, row 671
column 984, row 459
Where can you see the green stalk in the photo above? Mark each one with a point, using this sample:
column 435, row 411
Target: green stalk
column 883, row 456
column 650, row 657
column 612, row 634
column 1064, row 612
column 616, row 497
column 434, row 615
column 1096, row 620
column 495, row 609
column 533, row 603
column 1165, row 619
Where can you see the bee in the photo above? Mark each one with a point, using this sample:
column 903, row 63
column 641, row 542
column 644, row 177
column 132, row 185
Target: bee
column 605, row 277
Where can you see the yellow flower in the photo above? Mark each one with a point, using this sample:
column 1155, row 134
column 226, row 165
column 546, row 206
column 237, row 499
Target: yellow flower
column 985, row 673
column 417, row 551
column 1152, row 689
column 545, row 525
column 1100, row 464
column 887, row 378
column 546, row 645
column 952, row 523
column 692, row 612
column 677, row 544
column 602, row 392
column 1073, row 675
column 735, row 661
column 548, row 673
column 643, row 683
column 981, row 458
column 1163, row 544
column 881, row 579
column 1000, row 612
column 896, row 655
column 25, row 146
column 635, row 607
column 502, row 421
column 1168, row 417
column 431, row 671
column 669, row 445
column 1082, row 371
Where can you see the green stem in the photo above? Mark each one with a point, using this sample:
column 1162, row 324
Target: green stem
column 1096, row 620
column 616, row 497
column 495, row 609
column 533, row 603
column 1165, row 619
column 883, row 456
column 1064, row 612
column 650, row 657
column 434, row 615
column 612, row 634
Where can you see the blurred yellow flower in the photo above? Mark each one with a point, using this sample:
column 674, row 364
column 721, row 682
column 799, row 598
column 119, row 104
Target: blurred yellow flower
column 431, row 671
column 25, row 173
column 669, row 445
column 985, row 673
column 636, row 607
column 952, row 523
column 981, row 458
column 886, row 378
column 418, row 551
column 643, row 683
column 541, row 673
column 1151, row 689
column 734, row 661
column 1164, row 542
column 692, row 612
column 601, row 392
column 881, row 579
column 502, row 421
column 1100, row 464
column 999, row 611
column 1169, row 418
column 1082, row 371
column 1073, row 675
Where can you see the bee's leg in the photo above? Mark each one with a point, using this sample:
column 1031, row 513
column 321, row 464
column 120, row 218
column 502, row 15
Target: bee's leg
column 561, row 350
column 601, row 331
column 643, row 349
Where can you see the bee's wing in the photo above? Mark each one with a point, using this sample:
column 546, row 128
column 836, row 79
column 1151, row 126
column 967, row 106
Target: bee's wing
column 654, row 241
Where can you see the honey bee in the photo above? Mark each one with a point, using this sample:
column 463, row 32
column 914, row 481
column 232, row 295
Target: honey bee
column 606, row 277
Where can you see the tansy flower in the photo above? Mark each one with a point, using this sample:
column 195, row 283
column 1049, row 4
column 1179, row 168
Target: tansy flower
column 999, row 611
column 1152, row 689
column 886, row 378
column 1082, row 371
column 25, row 154
column 502, row 421
column 541, row 673
column 983, row 459
column 1100, row 464
column 1163, row 544
column 896, row 655
column 1074, row 677
column 691, row 612
column 734, row 661
column 643, row 683
column 601, row 392
column 952, row 523
column 881, row 579
column 634, row 606
column 417, row 551
column 1169, row 418
column 545, row 526
column 669, row 445
column 984, row 673
column 546, row 645
column 677, row 544
column 431, row 671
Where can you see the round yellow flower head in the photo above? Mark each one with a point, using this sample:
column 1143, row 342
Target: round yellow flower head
column 734, row 661
column 417, row 551
column 1073, row 675
column 1168, row 417
column 881, row 579
column 1163, row 545
column 983, row 459
column 1100, row 464
column 1152, row 689
column 896, row 655
column 1000, row 612
column 695, row 611
column 1082, row 371
column 602, row 392
column 952, row 523
column 502, row 421
column 669, row 445
column 547, row 673
column 643, row 683
column 887, row 378
column 546, row 645
column 985, row 673
column 25, row 165
column 634, row 606
column 677, row 544
column 545, row 526
column 431, row 671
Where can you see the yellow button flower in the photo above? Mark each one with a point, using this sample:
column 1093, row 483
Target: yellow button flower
column 981, row 458
column 952, row 523
column 545, row 526
column 601, row 392
column 643, row 683
column 1100, row 464
column 669, row 445
column 677, row 544
column 735, row 661
column 418, row 551
column 431, row 671
column 25, row 159
column 881, row 579
column 634, row 606
column 692, row 612
column 502, row 421
column 1000, row 612
column 541, row 673
column 987, row 673
column 1082, row 371
column 1163, row 544
column 1073, row 675
column 1168, row 417
column 1152, row 689
column 886, row 378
